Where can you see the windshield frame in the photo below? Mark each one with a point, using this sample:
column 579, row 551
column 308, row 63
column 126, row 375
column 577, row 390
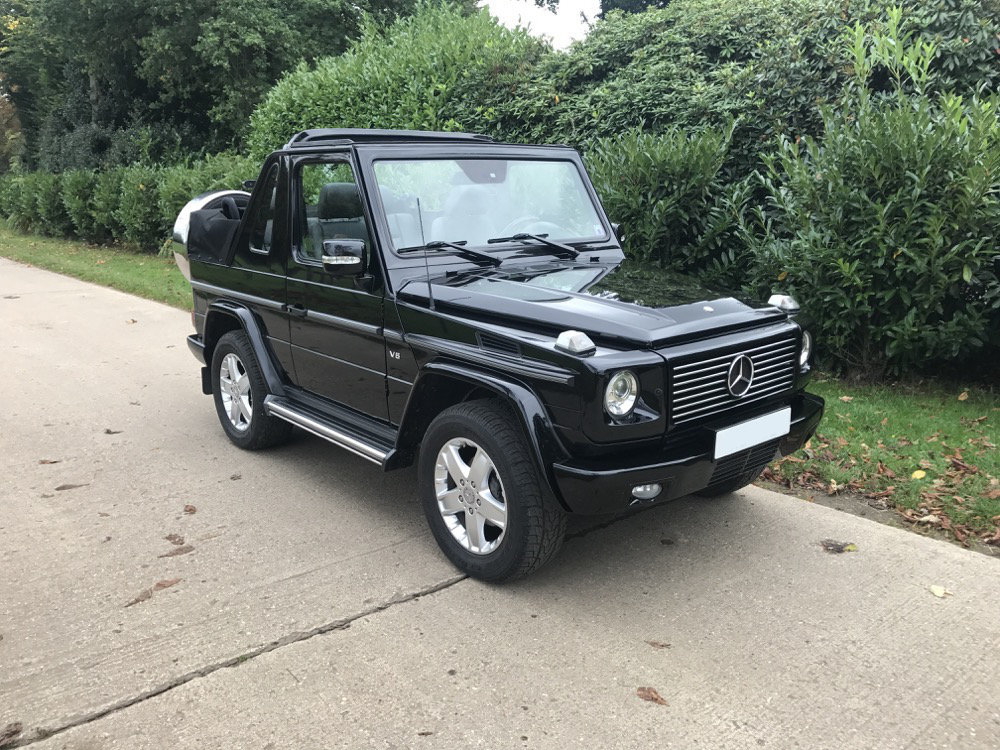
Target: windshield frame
column 369, row 156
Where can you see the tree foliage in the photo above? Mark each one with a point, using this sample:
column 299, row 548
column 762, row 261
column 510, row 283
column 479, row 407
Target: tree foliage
column 100, row 82
column 440, row 69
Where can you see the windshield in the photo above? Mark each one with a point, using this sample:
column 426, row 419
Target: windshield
column 475, row 200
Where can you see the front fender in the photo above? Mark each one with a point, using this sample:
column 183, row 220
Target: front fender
column 435, row 389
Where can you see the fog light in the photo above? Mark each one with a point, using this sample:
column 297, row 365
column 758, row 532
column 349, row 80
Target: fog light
column 646, row 491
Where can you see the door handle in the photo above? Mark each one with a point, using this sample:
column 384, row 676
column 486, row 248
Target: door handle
column 297, row 310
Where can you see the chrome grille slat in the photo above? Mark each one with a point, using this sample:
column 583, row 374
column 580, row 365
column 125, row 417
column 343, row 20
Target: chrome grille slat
column 777, row 344
column 762, row 362
column 701, row 395
column 733, row 402
column 699, row 386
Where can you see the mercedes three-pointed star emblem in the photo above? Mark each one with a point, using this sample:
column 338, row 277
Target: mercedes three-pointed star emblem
column 740, row 376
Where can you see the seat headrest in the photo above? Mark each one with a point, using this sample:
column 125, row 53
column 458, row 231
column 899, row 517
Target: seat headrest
column 467, row 199
column 339, row 200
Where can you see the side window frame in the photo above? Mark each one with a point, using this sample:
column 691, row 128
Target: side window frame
column 264, row 210
column 299, row 218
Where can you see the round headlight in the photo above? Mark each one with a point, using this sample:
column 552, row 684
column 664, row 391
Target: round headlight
column 621, row 394
column 807, row 348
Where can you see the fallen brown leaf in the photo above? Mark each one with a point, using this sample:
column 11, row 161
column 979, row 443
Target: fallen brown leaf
column 166, row 583
column 130, row 321
column 189, row 509
column 658, row 644
column 847, row 399
column 49, row 461
column 141, row 598
column 175, row 539
column 831, row 545
column 62, row 487
column 10, row 732
column 109, row 431
column 963, row 396
column 176, row 551
column 650, row 694
column 939, row 591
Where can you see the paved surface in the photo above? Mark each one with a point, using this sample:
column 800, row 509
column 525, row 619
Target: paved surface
column 311, row 608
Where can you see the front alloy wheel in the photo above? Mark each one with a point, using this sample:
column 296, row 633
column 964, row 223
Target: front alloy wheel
column 488, row 508
column 470, row 496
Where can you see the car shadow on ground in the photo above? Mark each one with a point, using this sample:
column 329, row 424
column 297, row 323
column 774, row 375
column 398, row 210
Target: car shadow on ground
column 596, row 546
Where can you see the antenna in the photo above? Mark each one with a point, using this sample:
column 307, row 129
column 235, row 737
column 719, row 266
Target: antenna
column 423, row 242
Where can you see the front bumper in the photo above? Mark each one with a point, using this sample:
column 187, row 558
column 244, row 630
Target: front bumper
column 590, row 487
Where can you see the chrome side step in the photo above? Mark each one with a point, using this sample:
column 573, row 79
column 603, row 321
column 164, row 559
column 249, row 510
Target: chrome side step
column 324, row 428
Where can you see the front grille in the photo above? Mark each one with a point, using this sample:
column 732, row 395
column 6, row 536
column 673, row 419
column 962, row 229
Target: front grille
column 699, row 386
column 751, row 459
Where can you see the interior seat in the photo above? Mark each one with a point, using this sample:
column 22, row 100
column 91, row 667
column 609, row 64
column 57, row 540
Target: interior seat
column 466, row 216
column 338, row 216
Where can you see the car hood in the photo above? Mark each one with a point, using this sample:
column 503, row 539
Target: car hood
column 616, row 303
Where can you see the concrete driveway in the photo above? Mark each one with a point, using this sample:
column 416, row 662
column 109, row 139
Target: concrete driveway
column 160, row 588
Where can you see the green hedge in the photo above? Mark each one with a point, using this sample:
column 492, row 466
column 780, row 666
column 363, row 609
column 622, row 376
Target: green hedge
column 749, row 142
column 886, row 226
column 440, row 69
column 135, row 205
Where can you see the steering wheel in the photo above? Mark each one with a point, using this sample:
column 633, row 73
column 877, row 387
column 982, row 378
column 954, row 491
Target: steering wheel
column 518, row 225
column 229, row 208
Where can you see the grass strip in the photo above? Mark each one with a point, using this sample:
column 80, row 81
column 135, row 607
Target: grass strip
column 927, row 450
column 141, row 274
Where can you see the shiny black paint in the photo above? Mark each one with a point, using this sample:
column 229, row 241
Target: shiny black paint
column 405, row 341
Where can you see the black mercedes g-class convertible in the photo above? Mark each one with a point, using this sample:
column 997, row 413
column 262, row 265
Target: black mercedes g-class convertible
column 466, row 304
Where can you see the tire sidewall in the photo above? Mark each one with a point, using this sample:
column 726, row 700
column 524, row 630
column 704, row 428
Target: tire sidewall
column 505, row 559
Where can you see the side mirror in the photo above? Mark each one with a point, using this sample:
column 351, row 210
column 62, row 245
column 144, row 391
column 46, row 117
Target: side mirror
column 619, row 232
column 248, row 185
column 344, row 257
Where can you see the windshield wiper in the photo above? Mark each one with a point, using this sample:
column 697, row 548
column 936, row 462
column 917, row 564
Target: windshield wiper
column 568, row 250
column 459, row 247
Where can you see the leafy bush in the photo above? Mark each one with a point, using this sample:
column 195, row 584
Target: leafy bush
column 52, row 217
column 139, row 211
column 107, row 198
column 441, row 69
column 886, row 227
column 22, row 211
column 668, row 192
column 78, row 188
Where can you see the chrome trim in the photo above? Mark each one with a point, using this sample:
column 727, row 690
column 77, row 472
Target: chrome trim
column 783, row 344
column 285, row 411
column 201, row 286
column 700, row 386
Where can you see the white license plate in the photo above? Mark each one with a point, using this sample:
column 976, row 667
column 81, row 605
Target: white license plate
column 752, row 432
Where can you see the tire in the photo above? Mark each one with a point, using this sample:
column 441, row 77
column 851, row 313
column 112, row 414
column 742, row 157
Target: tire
column 724, row 488
column 482, row 441
column 239, row 400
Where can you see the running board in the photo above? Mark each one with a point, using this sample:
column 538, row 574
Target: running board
column 322, row 426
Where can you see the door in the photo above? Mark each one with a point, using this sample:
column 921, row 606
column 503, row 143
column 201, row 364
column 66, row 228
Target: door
column 336, row 321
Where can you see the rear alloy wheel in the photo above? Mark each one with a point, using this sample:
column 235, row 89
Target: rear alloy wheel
column 234, row 387
column 486, row 505
column 239, row 390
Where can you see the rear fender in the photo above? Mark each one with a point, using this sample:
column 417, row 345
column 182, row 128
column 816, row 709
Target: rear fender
column 224, row 316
